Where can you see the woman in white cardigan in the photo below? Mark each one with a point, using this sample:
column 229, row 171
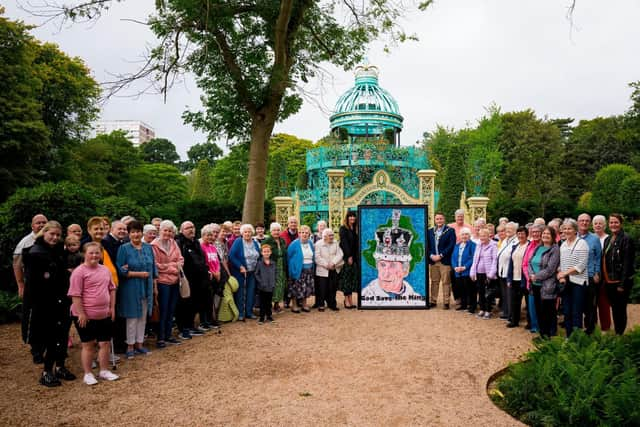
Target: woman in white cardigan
column 329, row 261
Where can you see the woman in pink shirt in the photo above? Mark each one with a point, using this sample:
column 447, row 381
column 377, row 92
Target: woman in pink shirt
column 208, row 236
column 94, row 298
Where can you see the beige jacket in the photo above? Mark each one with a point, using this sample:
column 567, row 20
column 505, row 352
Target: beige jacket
column 326, row 254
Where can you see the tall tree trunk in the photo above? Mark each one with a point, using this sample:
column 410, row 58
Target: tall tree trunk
column 261, row 128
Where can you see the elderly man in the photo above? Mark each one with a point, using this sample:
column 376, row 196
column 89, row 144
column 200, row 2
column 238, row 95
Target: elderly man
column 37, row 223
column 442, row 240
column 459, row 224
column 593, row 267
column 197, row 272
column 291, row 233
column 117, row 237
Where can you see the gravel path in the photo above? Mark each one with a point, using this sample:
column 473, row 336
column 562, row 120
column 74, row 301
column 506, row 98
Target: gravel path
column 360, row 368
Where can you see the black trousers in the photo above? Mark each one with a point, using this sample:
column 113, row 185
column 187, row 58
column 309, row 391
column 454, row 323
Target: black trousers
column 327, row 288
column 455, row 290
column 618, row 301
column 515, row 293
column 461, row 287
column 486, row 292
column 265, row 304
column 590, row 311
column 547, row 316
column 472, row 295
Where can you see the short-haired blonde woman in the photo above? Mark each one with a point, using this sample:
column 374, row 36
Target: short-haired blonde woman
column 243, row 258
column 300, row 256
column 169, row 261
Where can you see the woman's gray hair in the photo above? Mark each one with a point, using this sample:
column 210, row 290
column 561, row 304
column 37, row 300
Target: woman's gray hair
column 536, row 227
column 465, row 230
column 600, row 218
column 326, row 231
column 207, row 229
column 458, row 212
column 572, row 222
column 275, row 225
column 244, row 227
column 167, row 223
column 513, row 225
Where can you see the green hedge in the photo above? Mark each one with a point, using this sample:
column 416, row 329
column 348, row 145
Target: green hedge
column 586, row 380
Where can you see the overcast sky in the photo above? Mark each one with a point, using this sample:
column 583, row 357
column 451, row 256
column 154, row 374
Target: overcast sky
column 517, row 54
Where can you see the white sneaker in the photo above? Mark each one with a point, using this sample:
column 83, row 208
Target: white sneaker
column 90, row 379
column 486, row 316
column 108, row 375
column 480, row 313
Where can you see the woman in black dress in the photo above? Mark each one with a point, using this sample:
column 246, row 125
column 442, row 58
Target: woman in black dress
column 349, row 245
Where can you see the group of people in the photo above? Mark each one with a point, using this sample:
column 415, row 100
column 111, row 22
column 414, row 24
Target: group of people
column 562, row 264
column 120, row 282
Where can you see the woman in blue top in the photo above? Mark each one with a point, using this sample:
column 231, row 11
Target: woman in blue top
column 543, row 268
column 300, row 256
column 137, row 269
column 243, row 258
column 461, row 261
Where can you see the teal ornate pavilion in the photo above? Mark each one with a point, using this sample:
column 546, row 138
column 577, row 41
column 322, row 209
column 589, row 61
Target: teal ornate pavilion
column 364, row 162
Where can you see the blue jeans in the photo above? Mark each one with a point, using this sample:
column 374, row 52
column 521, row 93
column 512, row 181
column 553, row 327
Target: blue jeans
column 167, row 300
column 573, row 300
column 533, row 315
column 245, row 296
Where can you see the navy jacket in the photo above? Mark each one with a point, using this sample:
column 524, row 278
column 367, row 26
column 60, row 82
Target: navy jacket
column 445, row 245
column 467, row 258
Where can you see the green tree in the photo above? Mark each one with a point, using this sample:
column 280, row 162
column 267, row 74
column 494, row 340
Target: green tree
column 117, row 207
column 201, row 185
column 48, row 102
column 533, row 152
column 159, row 150
column 453, row 181
column 102, row 163
column 287, row 155
column 613, row 190
column 157, row 187
column 23, row 134
column 229, row 176
column 208, row 151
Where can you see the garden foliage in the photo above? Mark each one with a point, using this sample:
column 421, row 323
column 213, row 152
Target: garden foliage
column 585, row 380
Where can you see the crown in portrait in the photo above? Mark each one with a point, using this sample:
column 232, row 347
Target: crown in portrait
column 392, row 243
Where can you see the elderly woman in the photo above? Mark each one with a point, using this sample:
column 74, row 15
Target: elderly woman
column 535, row 233
column 618, row 270
column 350, row 245
column 208, row 236
column 243, row 258
column 138, row 271
column 505, row 246
column 543, row 267
column 169, row 262
column 300, row 255
column 483, row 272
column 461, row 262
column 573, row 275
column 46, row 287
column 515, row 277
column 329, row 261
column 149, row 233
column 279, row 257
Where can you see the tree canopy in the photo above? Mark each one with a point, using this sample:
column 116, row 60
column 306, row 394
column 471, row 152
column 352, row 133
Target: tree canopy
column 159, row 150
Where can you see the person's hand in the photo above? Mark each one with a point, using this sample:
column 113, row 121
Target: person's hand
column 21, row 290
column 144, row 274
column 82, row 320
column 561, row 275
column 533, row 277
column 596, row 278
column 243, row 270
column 112, row 313
column 620, row 289
column 216, row 275
column 350, row 260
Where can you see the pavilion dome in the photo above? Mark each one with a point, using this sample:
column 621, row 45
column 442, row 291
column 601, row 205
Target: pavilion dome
column 366, row 108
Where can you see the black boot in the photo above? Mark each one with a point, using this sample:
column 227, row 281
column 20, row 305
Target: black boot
column 49, row 380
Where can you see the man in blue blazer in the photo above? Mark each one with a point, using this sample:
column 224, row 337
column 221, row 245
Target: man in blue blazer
column 442, row 240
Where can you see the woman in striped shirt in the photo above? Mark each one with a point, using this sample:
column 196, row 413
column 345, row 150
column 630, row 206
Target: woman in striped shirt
column 574, row 255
